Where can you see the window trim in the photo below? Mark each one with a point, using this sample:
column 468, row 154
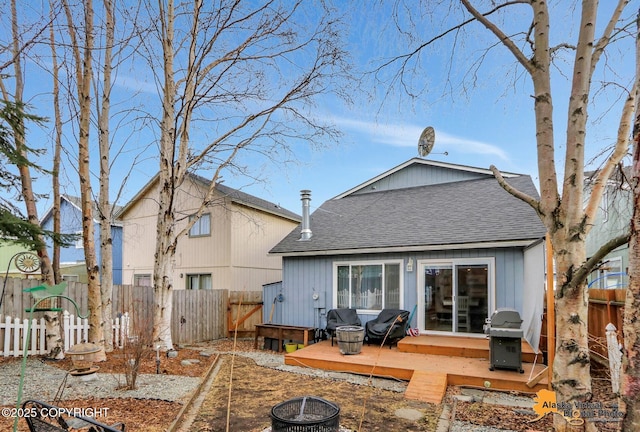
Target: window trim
column 399, row 262
column 188, row 277
column 199, row 224
column 141, row 275
column 79, row 243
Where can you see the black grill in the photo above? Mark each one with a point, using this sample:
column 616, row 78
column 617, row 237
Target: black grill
column 505, row 339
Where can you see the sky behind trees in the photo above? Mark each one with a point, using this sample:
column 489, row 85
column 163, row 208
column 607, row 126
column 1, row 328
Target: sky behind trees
column 478, row 123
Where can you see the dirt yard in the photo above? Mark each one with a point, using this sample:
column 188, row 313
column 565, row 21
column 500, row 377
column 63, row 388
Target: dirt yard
column 255, row 390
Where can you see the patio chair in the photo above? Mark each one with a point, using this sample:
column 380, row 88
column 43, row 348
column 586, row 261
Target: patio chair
column 390, row 323
column 341, row 317
column 50, row 418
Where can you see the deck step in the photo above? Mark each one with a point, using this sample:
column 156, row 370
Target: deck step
column 427, row 386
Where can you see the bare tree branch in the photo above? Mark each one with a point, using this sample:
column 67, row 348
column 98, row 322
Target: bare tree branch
column 502, row 37
column 534, row 203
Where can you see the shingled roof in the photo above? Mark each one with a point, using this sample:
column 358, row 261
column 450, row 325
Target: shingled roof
column 235, row 195
column 460, row 214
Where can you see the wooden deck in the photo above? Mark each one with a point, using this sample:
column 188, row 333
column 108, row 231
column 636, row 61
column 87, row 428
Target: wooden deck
column 463, row 361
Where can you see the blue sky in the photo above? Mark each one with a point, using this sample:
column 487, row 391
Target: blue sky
column 489, row 122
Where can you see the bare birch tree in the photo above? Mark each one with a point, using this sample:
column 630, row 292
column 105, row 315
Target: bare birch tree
column 560, row 206
column 57, row 126
column 105, row 209
column 20, row 44
column 83, row 58
column 236, row 78
column 630, row 389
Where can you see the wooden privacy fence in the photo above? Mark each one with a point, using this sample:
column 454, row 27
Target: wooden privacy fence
column 197, row 315
column 605, row 307
column 13, row 333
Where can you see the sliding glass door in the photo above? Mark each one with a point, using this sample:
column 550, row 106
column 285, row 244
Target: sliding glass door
column 455, row 295
column 438, row 297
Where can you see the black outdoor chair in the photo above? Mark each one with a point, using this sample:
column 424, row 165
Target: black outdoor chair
column 377, row 329
column 43, row 417
column 341, row 317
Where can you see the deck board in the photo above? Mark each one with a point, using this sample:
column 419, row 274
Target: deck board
column 457, row 346
column 427, row 386
column 394, row 363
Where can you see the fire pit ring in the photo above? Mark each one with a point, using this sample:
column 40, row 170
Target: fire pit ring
column 305, row 414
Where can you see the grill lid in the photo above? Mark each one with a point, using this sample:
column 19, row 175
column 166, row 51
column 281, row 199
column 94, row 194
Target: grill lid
column 506, row 318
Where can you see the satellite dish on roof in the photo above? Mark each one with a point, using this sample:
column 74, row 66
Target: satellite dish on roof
column 426, row 141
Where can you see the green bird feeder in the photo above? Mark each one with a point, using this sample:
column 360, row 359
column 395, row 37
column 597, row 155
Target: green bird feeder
column 46, row 297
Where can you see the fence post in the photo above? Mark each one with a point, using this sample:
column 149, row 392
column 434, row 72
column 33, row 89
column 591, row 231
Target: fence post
column 124, row 328
column 42, row 343
column 615, row 357
column 33, row 349
column 16, row 338
column 66, row 330
column 7, row 335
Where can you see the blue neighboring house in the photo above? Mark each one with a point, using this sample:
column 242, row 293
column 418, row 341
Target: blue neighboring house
column 72, row 263
column 444, row 239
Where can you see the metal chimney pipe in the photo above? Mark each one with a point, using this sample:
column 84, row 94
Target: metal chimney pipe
column 305, row 197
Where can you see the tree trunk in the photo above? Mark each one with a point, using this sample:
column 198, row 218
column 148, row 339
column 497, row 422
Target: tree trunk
column 104, row 206
column 571, row 367
column 165, row 245
column 631, row 328
column 83, row 77
column 630, row 388
column 55, row 343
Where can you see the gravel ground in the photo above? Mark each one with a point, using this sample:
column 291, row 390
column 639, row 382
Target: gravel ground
column 43, row 382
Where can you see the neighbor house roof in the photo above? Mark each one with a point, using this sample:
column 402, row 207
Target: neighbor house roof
column 235, row 195
column 459, row 214
column 77, row 203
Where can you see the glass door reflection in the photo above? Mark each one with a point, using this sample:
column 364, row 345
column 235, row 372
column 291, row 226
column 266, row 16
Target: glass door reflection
column 438, row 297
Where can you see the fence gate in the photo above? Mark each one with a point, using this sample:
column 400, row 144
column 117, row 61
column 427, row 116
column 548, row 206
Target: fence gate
column 244, row 311
column 198, row 315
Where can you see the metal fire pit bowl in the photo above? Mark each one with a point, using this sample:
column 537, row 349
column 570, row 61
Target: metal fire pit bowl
column 305, row 414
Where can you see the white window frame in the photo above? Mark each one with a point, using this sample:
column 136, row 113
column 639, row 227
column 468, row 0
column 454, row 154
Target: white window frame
column 612, row 262
column 398, row 262
column 204, row 221
column 79, row 240
column 71, row 277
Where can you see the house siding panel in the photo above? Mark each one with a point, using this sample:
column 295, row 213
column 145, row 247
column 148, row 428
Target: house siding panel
column 304, row 275
column 417, row 175
column 253, row 233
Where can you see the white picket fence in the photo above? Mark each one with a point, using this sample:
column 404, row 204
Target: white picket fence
column 75, row 330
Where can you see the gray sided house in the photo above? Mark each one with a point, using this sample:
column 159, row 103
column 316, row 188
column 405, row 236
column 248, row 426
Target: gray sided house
column 612, row 219
column 444, row 239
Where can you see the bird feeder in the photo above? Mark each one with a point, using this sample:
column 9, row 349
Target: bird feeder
column 46, row 297
column 82, row 357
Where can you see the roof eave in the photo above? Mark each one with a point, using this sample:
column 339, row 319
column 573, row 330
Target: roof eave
column 416, row 248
